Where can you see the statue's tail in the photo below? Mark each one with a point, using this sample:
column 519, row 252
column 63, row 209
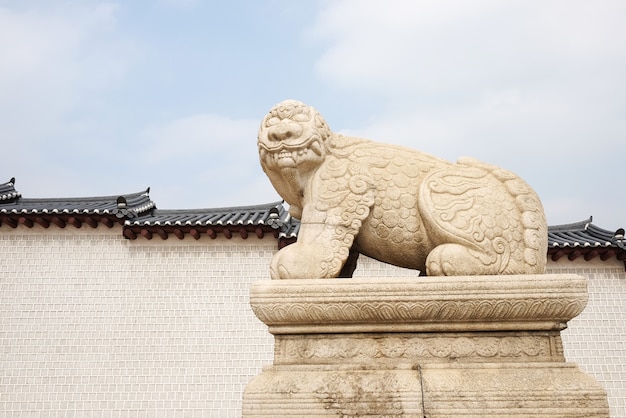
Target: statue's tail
column 532, row 215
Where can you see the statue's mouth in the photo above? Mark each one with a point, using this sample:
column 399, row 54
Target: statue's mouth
column 289, row 154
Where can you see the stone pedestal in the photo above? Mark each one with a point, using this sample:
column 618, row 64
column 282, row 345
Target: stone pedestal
column 428, row 347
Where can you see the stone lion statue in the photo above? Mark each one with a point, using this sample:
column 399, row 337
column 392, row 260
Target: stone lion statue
column 354, row 196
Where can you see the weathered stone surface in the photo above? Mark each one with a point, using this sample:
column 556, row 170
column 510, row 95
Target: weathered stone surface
column 434, row 347
column 301, row 391
column 433, row 391
column 424, row 347
column 394, row 204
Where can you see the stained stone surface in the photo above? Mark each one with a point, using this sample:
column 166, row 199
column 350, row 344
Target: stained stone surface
column 434, row 347
column 401, row 206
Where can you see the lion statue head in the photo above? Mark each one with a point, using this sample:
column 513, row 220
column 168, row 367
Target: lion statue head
column 292, row 136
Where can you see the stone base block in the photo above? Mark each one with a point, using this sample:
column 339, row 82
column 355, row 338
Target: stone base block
column 520, row 390
column 292, row 391
column 429, row 347
column 488, row 389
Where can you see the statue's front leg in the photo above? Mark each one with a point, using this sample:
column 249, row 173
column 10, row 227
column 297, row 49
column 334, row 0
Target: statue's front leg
column 320, row 252
column 331, row 219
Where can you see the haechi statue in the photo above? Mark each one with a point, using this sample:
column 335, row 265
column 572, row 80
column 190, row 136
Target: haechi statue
column 394, row 204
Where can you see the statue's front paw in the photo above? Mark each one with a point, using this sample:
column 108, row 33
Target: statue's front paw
column 293, row 262
column 278, row 270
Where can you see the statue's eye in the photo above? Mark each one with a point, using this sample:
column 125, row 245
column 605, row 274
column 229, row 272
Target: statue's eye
column 301, row 117
column 272, row 121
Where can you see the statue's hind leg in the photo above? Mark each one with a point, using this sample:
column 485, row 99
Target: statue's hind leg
column 460, row 260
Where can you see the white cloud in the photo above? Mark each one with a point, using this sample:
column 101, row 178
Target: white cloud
column 211, row 136
column 213, row 152
column 58, row 59
column 53, row 59
column 450, row 45
column 395, row 44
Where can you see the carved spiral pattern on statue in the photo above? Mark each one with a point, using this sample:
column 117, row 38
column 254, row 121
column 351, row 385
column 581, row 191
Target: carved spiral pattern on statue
column 347, row 203
column 367, row 167
column 500, row 210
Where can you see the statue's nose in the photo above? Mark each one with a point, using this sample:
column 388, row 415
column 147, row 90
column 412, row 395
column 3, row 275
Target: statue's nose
column 284, row 130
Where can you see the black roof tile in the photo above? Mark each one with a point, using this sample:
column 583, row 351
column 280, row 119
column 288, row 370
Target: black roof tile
column 273, row 214
column 580, row 234
column 8, row 192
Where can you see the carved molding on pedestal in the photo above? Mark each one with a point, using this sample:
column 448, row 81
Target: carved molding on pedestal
column 467, row 303
column 418, row 348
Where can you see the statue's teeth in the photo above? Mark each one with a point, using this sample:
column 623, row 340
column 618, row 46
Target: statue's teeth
column 316, row 148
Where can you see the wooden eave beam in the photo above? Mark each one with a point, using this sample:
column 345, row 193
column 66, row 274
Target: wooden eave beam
column 25, row 221
column 58, row 222
column 574, row 255
column 10, row 221
column 107, row 222
column 590, row 255
column 42, row 221
column 74, row 221
column 130, row 234
column 91, row 221
column 622, row 257
column 607, row 254
column 213, row 232
column 144, row 232
column 556, row 255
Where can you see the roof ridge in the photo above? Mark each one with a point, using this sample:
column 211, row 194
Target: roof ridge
column 222, row 209
column 575, row 226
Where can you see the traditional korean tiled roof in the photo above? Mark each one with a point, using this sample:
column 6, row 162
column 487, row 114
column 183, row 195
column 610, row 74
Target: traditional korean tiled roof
column 123, row 206
column 584, row 239
column 259, row 220
column 138, row 215
column 14, row 209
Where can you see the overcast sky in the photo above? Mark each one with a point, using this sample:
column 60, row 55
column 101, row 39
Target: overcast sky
column 106, row 98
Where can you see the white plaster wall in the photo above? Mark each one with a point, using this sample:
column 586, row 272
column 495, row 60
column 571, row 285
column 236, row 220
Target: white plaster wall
column 92, row 324
column 95, row 325
column 596, row 339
